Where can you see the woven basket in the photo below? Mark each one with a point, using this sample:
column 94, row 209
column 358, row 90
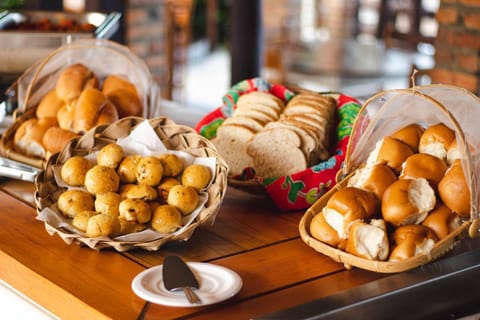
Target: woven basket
column 174, row 137
column 103, row 57
column 380, row 116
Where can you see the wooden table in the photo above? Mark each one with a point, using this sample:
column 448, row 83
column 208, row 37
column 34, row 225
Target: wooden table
column 250, row 236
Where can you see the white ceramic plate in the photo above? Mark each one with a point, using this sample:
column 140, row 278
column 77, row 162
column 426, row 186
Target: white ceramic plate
column 217, row 284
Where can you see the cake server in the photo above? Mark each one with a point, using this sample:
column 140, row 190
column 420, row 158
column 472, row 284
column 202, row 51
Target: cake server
column 177, row 276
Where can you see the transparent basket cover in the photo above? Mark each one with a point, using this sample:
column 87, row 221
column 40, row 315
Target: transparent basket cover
column 102, row 56
column 391, row 110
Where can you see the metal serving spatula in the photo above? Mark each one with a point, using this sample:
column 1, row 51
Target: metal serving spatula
column 178, row 276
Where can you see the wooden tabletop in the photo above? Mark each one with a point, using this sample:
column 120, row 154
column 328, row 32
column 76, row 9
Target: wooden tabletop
column 250, row 236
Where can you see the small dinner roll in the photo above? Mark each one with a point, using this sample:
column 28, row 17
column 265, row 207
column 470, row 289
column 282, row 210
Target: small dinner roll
column 442, row 220
column 408, row 201
column 29, row 135
column 73, row 80
column 110, row 155
column 55, row 139
column 108, row 203
column 74, row 170
column 368, row 240
column 321, row 230
column 49, row 105
column 74, row 201
column 454, row 190
column 139, row 191
column 172, row 164
column 409, row 135
column 411, row 240
column 166, row 219
column 101, row 225
column 80, row 221
column 184, row 198
column 101, row 179
column 135, row 211
column 424, row 165
column 347, row 205
column 127, row 169
column 149, row 171
column 375, row 179
column 164, row 188
column 197, row 176
column 390, row 151
column 436, row 140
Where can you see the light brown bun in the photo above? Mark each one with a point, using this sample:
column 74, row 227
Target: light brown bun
column 135, row 211
column 454, row 190
column 127, row 102
column 375, row 179
column 101, row 225
column 410, row 240
column 74, row 170
column 164, row 187
column 108, row 203
column 114, row 82
column 197, row 176
column 390, row 151
column 408, row 201
column 442, row 221
column 368, row 240
column 321, row 230
column 66, row 116
column 166, row 219
column 74, row 201
column 101, row 179
column 424, row 165
column 80, row 221
column 49, row 105
column 409, row 135
column 127, row 169
column 110, row 155
column 55, row 139
column 436, row 139
column 92, row 109
column 347, row 205
column 73, row 80
column 29, row 135
column 149, row 171
column 139, row 191
column 183, row 198
column 172, row 164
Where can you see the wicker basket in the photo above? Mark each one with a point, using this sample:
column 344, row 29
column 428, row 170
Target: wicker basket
column 380, row 116
column 174, row 137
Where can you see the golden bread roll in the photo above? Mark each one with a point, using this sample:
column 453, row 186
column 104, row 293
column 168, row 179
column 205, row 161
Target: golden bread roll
column 101, row 179
column 127, row 102
column 442, row 220
column 92, row 109
column 390, row 151
column 108, row 203
column 183, row 198
column 114, row 82
column 126, row 227
column 139, row 191
column 149, row 171
column 408, row 201
column 74, row 170
column 101, row 225
column 368, row 240
column 321, row 230
column 135, row 211
column 55, row 139
column 127, row 169
column 49, row 105
column 29, row 135
column 411, row 240
column 166, row 219
column 66, row 116
column 436, row 140
column 410, row 135
column 80, row 221
column 197, row 176
column 74, row 201
column 347, row 205
column 424, row 165
column 164, row 187
column 73, row 80
column 110, row 155
column 375, row 179
column 172, row 164
column 454, row 190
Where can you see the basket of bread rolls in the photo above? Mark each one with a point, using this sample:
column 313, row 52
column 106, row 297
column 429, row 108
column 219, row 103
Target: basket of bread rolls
column 76, row 87
column 407, row 192
column 135, row 183
column 281, row 142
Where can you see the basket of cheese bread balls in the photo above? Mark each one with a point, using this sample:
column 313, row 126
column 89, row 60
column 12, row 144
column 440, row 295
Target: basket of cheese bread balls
column 75, row 88
column 407, row 192
column 134, row 183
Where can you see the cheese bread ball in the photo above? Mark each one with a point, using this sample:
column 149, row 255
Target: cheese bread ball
column 101, row 179
column 166, row 219
column 197, row 176
column 172, row 164
column 80, row 221
column 108, row 203
column 139, row 191
column 184, row 198
column 73, row 171
column 101, row 225
column 74, row 201
column 110, row 155
column 135, row 211
column 127, row 169
column 149, row 171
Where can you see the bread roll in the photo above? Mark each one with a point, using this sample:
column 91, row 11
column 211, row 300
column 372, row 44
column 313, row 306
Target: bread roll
column 436, row 140
column 74, row 170
column 410, row 135
column 49, row 105
column 29, row 135
column 411, row 240
column 183, row 198
column 108, row 203
column 134, row 211
column 390, row 151
column 166, row 219
column 74, row 201
column 127, row 102
column 454, row 190
column 197, row 176
column 55, row 139
column 66, row 116
column 92, row 109
column 101, row 225
column 164, row 188
column 172, row 164
column 114, row 82
column 408, row 201
column 375, row 179
column 73, row 80
column 442, row 221
column 139, row 191
column 110, row 155
column 368, row 240
column 100, row 179
column 424, row 165
column 127, row 169
column 321, row 230
column 347, row 205
column 149, row 171
column 80, row 221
